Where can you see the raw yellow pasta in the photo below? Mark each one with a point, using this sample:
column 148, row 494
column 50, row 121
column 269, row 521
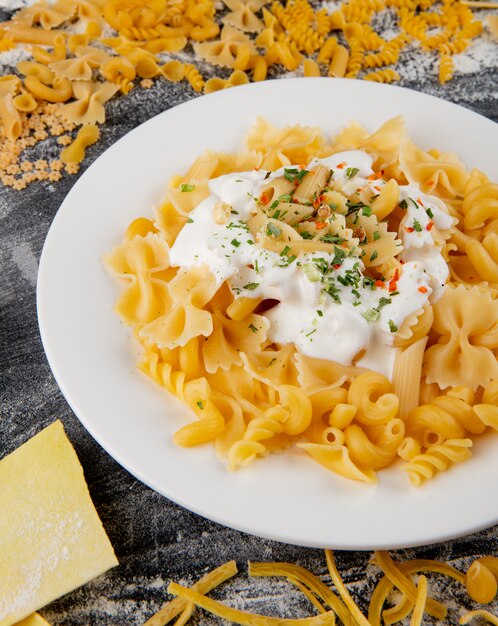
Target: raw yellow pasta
column 75, row 152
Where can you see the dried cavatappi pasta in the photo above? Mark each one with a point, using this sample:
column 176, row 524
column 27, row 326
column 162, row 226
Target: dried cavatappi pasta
column 86, row 53
column 412, row 580
column 314, row 292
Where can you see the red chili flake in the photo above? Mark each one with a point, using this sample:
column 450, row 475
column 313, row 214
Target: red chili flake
column 344, row 244
column 320, row 225
column 342, row 165
column 430, row 225
column 264, row 199
column 409, row 229
column 420, row 202
column 422, row 289
column 377, row 188
column 394, row 280
column 382, row 172
column 337, row 266
column 402, row 262
column 380, row 283
column 372, row 177
column 301, row 167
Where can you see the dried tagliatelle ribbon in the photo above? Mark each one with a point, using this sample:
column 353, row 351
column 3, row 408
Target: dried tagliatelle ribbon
column 338, row 603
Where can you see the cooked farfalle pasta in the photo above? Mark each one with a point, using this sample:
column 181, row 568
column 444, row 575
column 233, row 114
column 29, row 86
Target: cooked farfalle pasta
column 320, row 324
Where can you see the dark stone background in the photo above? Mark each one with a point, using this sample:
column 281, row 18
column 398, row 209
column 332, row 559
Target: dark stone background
column 155, row 540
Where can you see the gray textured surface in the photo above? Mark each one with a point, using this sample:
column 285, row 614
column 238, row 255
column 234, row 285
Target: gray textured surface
column 155, row 540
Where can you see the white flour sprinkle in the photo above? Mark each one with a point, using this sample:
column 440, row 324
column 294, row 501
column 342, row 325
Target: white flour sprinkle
column 26, row 262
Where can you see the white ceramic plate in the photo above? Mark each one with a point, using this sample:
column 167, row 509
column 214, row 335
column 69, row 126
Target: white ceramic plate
column 285, row 497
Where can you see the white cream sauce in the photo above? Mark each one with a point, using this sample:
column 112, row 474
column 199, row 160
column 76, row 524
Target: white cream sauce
column 366, row 318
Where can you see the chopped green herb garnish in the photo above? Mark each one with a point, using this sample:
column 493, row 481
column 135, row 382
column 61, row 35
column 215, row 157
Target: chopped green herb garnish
column 333, row 292
column 311, row 272
column 392, row 326
column 272, row 230
column 339, row 256
column 329, row 238
column 185, row 188
column 200, row 404
column 251, row 286
column 276, row 215
column 190, row 220
column 235, row 243
column 311, row 332
column 274, row 205
column 373, row 256
column 306, row 235
column 253, row 328
column 356, row 303
column 417, row 226
column 376, row 235
column 371, row 315
column 429, row 213
column 383, row 302
column 367, row 211
column 250, row 242
column 285, row 251
column 285, row 197
column 319, row 313
column 256, row 266
column 403, row 204
column 234, row 212
column 352, row 171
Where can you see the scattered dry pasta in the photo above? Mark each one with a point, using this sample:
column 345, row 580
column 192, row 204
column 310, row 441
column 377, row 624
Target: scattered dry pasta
column 412, row 580
column 86, row 53
column 263, row 367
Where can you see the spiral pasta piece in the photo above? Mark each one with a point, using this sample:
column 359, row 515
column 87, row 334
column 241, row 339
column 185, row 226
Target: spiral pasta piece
column 437, row 459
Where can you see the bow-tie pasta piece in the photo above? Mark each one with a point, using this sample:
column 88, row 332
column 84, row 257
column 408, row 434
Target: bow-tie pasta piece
column 230, row 338
column 318, row 373
column 190, row 291
column 461, row 318
column 273, row 367
column 47, row 15
column 444, row 175
column 81, row 67
column 385, row 142
column 224, row 51
column 90, row 100
column 290, row 145
column 143, row 264
column 242, row 15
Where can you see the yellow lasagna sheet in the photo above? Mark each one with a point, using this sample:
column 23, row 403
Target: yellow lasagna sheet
column 51, row 538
